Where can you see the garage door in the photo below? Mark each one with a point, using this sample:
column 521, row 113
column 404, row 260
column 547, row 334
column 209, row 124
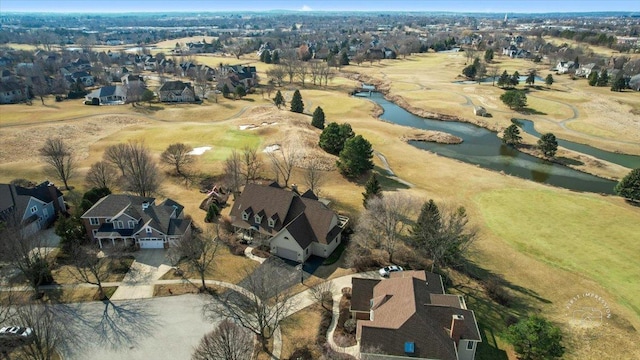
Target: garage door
column 287, row 254
column 151, row 243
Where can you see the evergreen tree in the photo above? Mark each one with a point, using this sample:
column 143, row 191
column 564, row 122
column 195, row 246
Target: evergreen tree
column 515, row 79
column 427, row 225
column 267, row 56
column 344, row 58
column 355, row 157
column 240, row 91
column 212, row 213
column 504, row 79
column 488, row 55
column 548, row 80
column 548, row 145
column 629, row 186
column 334, row 136
column 279, row 99
column 225, row 90
column 262, row 56
column 511, row 135
column 535, row 339
column 531, row 78
column 318, row 118
column 372, row 189
column 593, row 78
column 297, row 105
column 618, row 84
column 275, row 57
column 603, row 79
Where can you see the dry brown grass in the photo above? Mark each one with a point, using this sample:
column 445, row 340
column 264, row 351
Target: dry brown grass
column 300, row 330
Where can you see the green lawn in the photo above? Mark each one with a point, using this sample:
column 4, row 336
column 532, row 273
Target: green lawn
column 582, row 234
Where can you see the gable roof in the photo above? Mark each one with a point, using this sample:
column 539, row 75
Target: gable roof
column 174, row 86
column 411, row 306
column 18, row 197
column 166, row 217
column 307, row 219
column 105, row 91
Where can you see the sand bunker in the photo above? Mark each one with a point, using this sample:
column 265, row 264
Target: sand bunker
column 199, row 150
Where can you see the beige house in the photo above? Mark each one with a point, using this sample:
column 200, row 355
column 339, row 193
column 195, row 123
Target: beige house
column 176, row 91
column 410, row 316
column 295, row 226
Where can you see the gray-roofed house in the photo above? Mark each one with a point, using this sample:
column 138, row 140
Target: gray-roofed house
column 108, row 95
column 176, row 91
column 410, row 316
column 294, row 225
column 35, row 208
column 12, row 92
column 136, row 220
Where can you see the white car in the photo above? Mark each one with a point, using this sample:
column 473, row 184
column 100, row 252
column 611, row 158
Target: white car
column 385, row 271
column 15, row 331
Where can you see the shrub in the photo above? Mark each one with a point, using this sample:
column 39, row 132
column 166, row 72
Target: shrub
column 350, row 326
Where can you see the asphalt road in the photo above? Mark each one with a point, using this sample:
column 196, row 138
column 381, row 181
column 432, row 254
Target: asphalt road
column 157, row 328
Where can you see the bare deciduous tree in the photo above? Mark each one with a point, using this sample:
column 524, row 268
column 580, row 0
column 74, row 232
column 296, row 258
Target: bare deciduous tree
column 277, row 73
column 51, row 330
column 142, row 175
column 265, row 301
column 198, row 253
column 91, row 267
column 251, row 164
column 313, row 174
column 382, row 224
column 322, row 293
column 201, row 81
column 302, row 71
column 179, row 157
column 60, row 158
column 227, row 342
column 117, row 155
column 233, row 171
column 283, row 161
column 102, row 175
column 25, row 251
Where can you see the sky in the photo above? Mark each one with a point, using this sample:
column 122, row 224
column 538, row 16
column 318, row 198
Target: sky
column 490, row 6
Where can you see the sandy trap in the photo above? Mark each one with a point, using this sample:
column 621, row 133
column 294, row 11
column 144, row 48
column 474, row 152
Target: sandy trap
column 199, row 150
column 251, row 126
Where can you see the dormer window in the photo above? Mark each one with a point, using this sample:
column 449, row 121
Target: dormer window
column 245, row 216
column 257, row 219
column 272, row 223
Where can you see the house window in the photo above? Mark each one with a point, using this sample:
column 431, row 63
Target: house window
column 306, row 251
column 118, row 225
column 245, row 216
column 258, row 219
column 149, row 230
column 132, row 224
column 94, row 231
column 94, row 221
column 34, row 209
column 272, row 223
column 470, row 345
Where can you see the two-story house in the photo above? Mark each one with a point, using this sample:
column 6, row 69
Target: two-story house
column 34, row 208
column 294, row 225
column 136, row 220
column 176, row 91
column 409, row 316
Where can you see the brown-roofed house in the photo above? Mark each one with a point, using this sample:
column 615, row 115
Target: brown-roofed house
column 410, row 316
column 136, row 220
column 295, row 226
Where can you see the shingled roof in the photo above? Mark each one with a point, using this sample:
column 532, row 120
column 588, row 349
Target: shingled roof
column 411, row 306
column 307, row 219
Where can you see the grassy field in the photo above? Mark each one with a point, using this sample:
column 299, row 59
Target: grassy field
column 549, row 244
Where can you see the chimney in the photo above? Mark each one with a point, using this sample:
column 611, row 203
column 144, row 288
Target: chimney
column 294, row 187
column 457, row 327
column 145, row 205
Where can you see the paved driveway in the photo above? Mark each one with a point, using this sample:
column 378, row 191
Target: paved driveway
column 149, row 266
column 158, row 328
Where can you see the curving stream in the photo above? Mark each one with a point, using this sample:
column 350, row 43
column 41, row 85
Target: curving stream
column 482, row 147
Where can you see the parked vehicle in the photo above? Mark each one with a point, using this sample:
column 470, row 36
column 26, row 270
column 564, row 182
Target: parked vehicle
column 385, row 271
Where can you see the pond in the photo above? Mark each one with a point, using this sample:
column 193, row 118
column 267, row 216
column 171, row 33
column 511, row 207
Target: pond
column 630, row 161
column 483, row 147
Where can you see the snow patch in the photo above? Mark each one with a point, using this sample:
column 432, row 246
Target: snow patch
column 199, row 150
column 271, row 148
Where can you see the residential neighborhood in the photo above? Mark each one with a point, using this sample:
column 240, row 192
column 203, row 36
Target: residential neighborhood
column 390, row 180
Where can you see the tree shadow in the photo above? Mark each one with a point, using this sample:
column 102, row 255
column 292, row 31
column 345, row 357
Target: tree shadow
column 114, row 326
column 568, row 161
column 530, row 111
